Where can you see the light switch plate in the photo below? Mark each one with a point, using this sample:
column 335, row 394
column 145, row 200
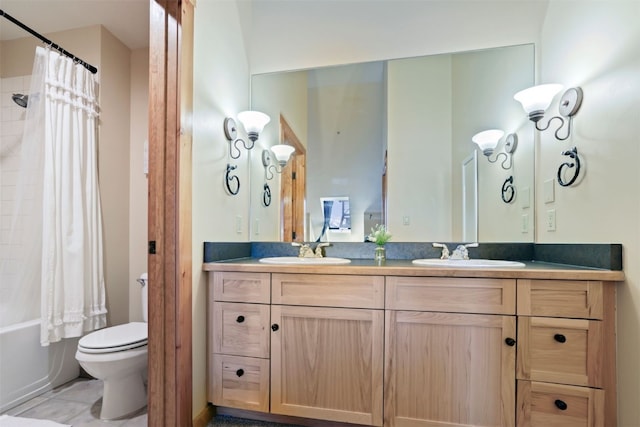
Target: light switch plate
column 549, row 195
column 525, row 196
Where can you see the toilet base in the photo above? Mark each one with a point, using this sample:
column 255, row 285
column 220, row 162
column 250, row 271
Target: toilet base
column 123, row 396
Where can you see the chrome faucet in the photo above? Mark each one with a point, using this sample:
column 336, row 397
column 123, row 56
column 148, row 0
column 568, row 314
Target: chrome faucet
column 460, row 252
column 445, row 250
column 307, row 252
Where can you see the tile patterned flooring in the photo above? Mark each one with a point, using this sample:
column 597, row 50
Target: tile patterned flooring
column 76, row 403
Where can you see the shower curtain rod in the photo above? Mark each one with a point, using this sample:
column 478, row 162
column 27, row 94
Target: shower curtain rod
column 49, row 42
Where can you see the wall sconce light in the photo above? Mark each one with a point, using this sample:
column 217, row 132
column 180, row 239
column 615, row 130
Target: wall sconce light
column 488, row 141
column 535, row 101
column 253, row 122
column 282, row 154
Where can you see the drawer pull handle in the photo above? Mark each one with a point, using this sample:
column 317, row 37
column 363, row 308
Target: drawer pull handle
column 510, row 342
column 560, row 338
column 561, row 405
column 240, row 372
column 275, row 327
column 240, row 319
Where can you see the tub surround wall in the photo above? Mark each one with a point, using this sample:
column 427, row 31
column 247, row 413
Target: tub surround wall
column 602, row 255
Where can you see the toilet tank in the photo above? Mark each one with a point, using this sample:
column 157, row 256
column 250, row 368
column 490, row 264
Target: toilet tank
column 144, row 281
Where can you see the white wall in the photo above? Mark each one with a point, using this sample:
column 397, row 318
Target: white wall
column 483, row 85
column 221, row 89
column 419, row 170
column 293, row 34
column 137, row 178
column 345, row 151
column 596, row 45
column 274, row 94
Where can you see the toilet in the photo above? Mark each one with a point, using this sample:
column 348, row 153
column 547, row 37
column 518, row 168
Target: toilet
column 117, row 355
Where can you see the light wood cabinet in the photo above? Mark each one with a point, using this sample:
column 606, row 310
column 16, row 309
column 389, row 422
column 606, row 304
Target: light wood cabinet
column 326, row 363
column 566, row 353
column 238, row 340
column 449, row 369
column 413, row 351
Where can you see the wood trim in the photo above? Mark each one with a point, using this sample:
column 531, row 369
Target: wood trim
column 170, row 87
column 203, row 418
column 292, row 191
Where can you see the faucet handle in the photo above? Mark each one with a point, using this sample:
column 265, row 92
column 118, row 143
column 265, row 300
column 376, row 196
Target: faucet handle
column 472, row 245
column 445, row 250
column 296, row 244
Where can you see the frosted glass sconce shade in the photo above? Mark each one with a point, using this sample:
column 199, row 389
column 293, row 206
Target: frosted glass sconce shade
column 488, row 140
column 283, row 153
column 537, row 99
column 253, row 122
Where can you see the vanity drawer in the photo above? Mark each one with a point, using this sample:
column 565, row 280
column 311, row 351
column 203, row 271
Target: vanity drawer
column 561, row 298
column 239, row 382
column 456, row 295
column 567, row 351
column 556, row 405
column 326, row 290
column 240, row 287
column 241, row 329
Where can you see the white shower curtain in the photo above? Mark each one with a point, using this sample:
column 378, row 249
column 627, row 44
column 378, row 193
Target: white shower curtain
column 72, row 278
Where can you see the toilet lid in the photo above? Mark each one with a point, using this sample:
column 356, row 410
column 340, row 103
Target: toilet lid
column 115, row 338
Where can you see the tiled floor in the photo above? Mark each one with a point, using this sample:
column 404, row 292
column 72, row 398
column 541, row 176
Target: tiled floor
column 76, row 403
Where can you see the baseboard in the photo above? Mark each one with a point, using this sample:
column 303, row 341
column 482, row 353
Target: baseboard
column 203, row 418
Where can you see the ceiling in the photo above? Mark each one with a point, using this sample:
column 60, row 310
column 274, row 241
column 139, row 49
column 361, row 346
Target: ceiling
column 128, row 20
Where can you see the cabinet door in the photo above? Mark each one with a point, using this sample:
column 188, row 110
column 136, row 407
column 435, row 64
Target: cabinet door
column 326, row 363
column 445, row 369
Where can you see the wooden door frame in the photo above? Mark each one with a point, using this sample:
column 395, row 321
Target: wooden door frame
column 170, row 243
column 292, row 191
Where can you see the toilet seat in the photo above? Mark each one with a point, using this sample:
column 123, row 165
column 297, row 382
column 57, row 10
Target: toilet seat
column 115, row 338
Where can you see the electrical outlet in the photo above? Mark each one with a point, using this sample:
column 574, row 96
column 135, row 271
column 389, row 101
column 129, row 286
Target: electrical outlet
column 238, row 224
column 406, row 220
column 551, row 220
column 525, row 223
column 257, row 227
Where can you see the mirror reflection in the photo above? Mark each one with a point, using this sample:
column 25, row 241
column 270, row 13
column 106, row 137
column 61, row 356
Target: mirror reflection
column 395, row 137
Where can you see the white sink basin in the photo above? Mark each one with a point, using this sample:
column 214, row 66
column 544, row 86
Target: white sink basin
column 468, row 263
column 294, row 260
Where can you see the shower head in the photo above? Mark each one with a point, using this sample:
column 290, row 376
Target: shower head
column 20, row 99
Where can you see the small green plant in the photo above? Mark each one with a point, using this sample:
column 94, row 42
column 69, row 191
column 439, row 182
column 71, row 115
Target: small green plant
column 379, row 235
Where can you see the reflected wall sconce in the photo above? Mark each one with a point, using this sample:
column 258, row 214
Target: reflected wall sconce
column 537, row 99
column 488, row 140
column 253, row 123
column 282, row 154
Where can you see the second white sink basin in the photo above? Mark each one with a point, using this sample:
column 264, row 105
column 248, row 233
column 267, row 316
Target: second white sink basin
column 468, row 263
column 294, row 260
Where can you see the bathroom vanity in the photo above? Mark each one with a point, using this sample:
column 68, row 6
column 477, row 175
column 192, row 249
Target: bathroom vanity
column 406, row 346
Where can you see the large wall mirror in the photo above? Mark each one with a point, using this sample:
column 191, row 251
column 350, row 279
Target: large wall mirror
column 394, row 137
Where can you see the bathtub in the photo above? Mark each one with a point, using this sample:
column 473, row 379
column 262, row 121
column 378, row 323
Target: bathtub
column 27, row 369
